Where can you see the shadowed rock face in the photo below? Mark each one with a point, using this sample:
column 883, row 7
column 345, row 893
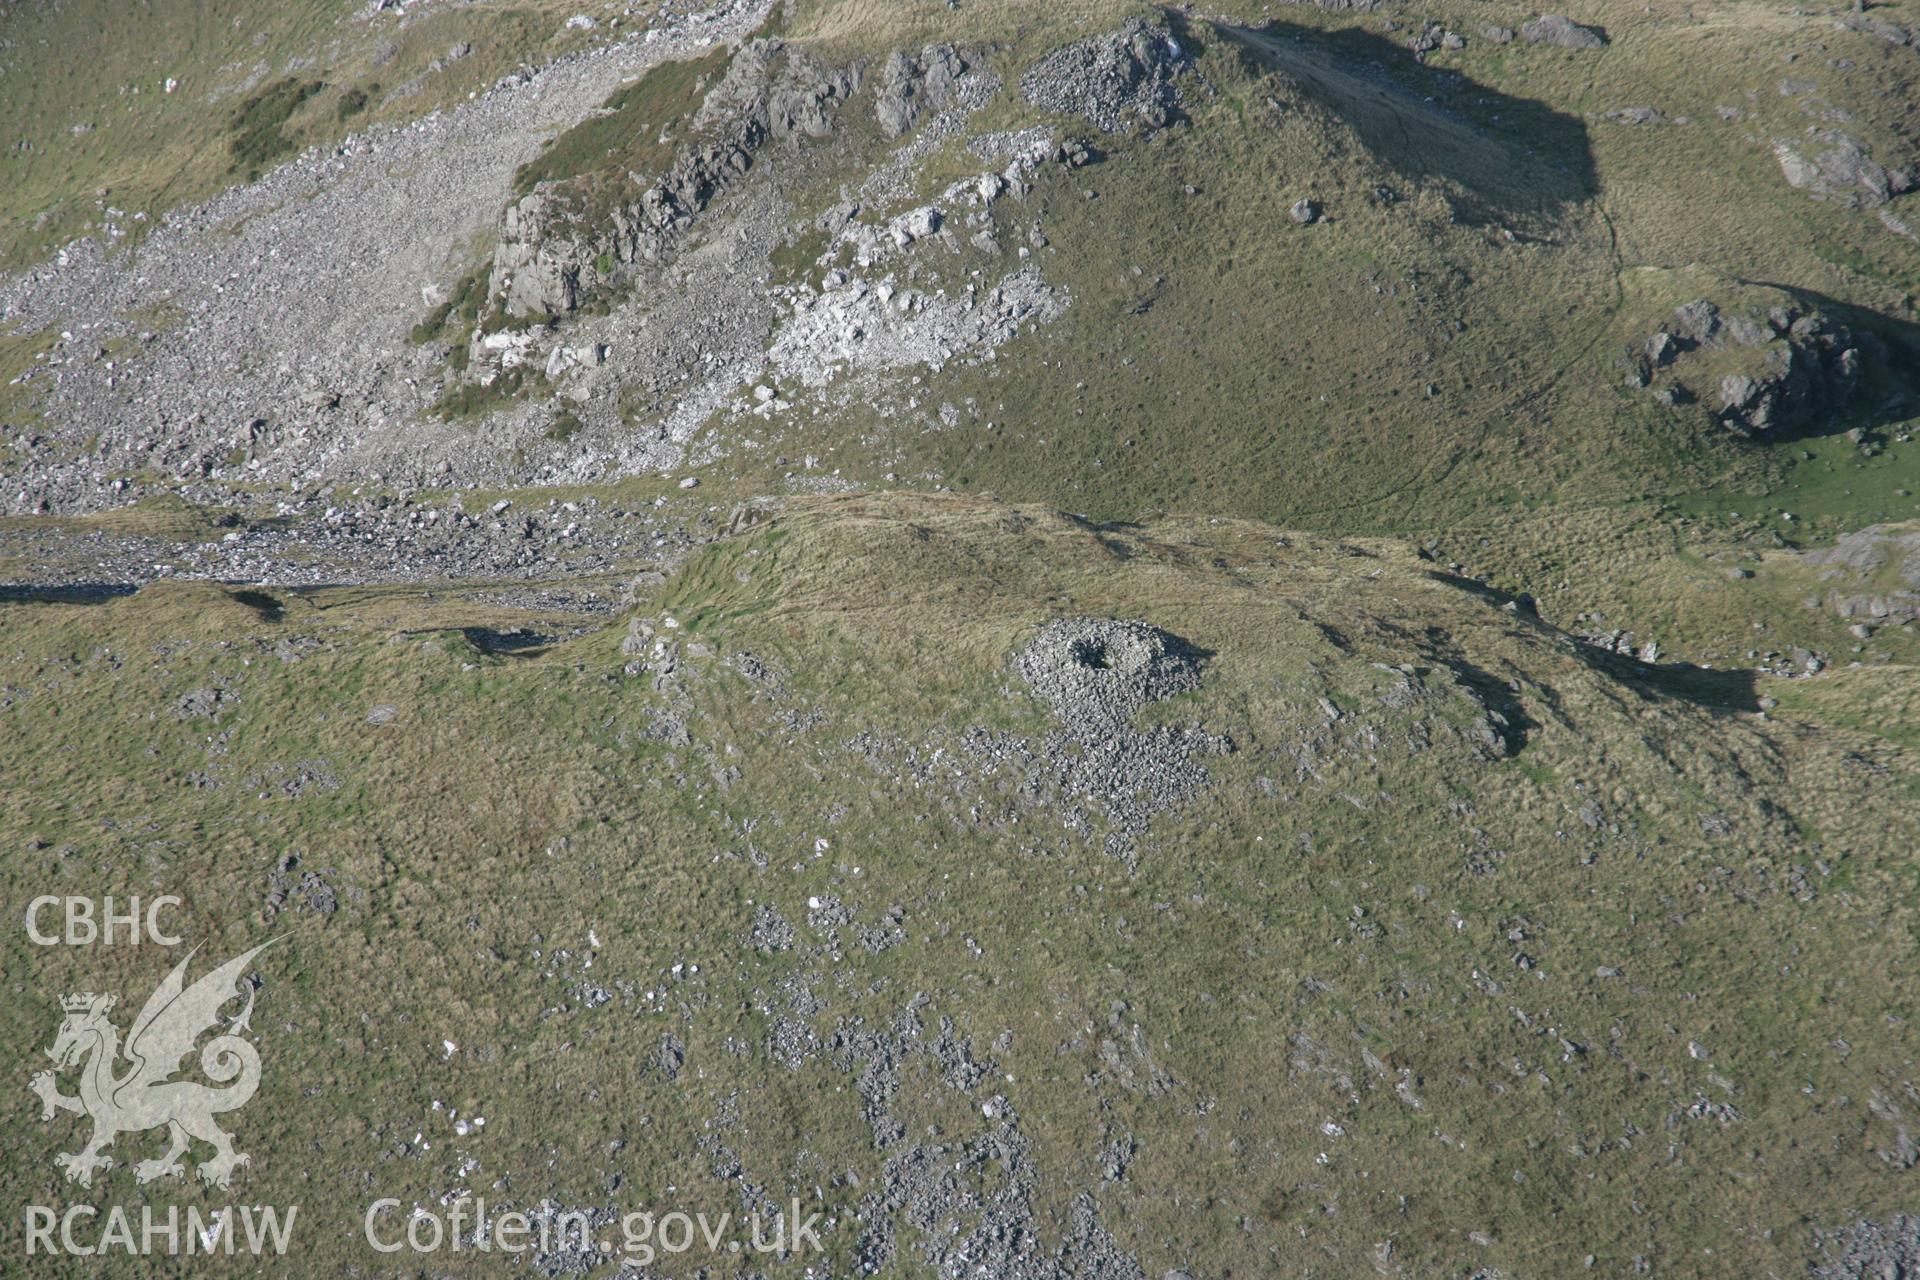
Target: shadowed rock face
column 1794, row 367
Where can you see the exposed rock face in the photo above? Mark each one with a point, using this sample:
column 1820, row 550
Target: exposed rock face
column 1557, row 29
column 1699, row 320
column 1875, row 25
column 1113, row 80
column 1791, row 368
column 1636, row 116
column 915, row 224
column 1834, row 166
column 1868, row 1250
column 1862, row 591
column 547, row 258
column 536, row 267
column 1805, row 372
column 910, row 86
column 1432, row 37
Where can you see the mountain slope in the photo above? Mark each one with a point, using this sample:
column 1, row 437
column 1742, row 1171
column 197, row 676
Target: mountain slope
column 1296, row 902
column 1101, row 640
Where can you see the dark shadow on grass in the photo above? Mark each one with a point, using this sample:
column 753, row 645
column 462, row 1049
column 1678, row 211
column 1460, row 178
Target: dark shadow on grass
column 1505, row 155
column 1521, row 604
column 513, row 640
column 268, row 608
column 1711, row 688
column 65, row 593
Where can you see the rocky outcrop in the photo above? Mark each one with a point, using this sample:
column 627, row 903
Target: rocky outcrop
column 1834, row 166
column 1810, row 367
column 1869, row 1250
column 1759, row 373
column 1872, row 24
column 1873, row 575
column 553, row 250
column 1114, row 80
column 911, row 86
column 1564, row 32
column 536, row 266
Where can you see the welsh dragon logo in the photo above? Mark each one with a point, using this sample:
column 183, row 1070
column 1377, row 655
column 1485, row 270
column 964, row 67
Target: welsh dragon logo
column 143, row 1095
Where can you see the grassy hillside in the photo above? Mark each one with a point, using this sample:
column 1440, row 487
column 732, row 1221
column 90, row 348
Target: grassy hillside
column 1447, row 958
column 1280, row 644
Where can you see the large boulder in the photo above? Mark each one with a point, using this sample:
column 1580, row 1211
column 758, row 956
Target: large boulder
column 1832, row 165
column 1558, row 29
